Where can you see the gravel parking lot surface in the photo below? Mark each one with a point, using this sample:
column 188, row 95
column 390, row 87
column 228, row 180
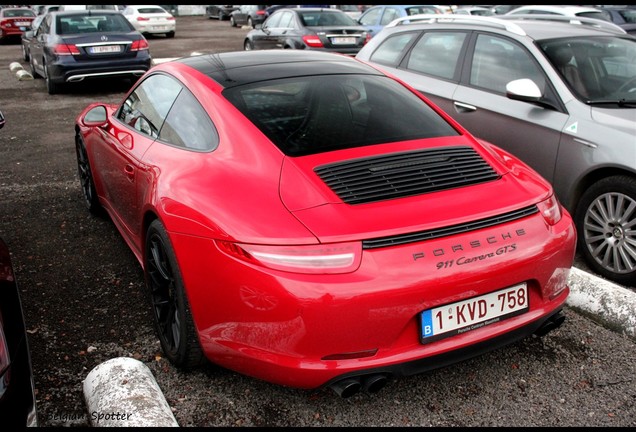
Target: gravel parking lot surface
column 82, row 291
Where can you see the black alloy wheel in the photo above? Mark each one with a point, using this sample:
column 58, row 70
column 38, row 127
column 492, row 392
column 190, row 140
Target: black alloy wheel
column 86, row 177
column 173, row 320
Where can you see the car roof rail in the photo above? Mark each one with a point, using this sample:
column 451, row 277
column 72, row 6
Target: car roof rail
column 592, row 22
column 446, row 18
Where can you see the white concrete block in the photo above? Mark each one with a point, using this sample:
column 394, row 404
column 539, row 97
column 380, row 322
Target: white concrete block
column 123, row 392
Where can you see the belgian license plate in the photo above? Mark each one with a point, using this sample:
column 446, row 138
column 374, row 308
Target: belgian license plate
column 24, row 24
column 101, row 49
column 474, row 313
column 343, row 40
column 159, row 28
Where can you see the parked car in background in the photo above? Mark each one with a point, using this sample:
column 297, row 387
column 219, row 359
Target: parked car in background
column 73, row 46
column 376, row 17
column 570, row 11
column 17, row 391
column 355, row 232
column 354, row 11
column 14, row 22
column 250, row 15
column 473, row 10
column 78, row 7
column 151, row 20
column 561, row 96
column 308, row 28
column 27, row 37
column 502, row 9
column 220, row 12
column 622, row 16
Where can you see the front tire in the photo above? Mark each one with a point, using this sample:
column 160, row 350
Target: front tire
column 172, row 317
column 606, row 226
column 250, row 22
column 86, row 177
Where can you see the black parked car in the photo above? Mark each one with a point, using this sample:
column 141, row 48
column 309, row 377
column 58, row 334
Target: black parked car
column 308, row 28
column 220, row 12
column 17, row 396
column 27, row 37
column 73, row 46
column 248, row 14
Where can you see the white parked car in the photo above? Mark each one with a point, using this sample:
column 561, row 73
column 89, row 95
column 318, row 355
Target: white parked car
column 151, row 19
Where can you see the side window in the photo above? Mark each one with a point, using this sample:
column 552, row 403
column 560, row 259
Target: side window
column 392, row 49
column 286, row 20
column 498, row 61
column 389, row 15
column 272, row 22
column 188, row 125
column 147, row 106
column 437, row 54
column 371, row 17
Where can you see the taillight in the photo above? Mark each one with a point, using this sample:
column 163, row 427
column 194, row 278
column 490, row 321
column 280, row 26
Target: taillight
column 170, row 18
column 66, row 49
column 5, row 23
column 367, row 38
column 143, row 19
column 139, row 45
column 318, row 259
column 550, row 210
column 260, row 12
column 312, row 41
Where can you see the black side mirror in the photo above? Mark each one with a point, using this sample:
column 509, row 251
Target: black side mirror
column 1, row 120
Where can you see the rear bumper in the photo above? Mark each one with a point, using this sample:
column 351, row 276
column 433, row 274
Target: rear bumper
column 287, row 328
column 70, row 70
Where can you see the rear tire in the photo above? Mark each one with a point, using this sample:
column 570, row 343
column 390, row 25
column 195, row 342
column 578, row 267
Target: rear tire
column 51, row 87
column 248, row 45
column 173, row 320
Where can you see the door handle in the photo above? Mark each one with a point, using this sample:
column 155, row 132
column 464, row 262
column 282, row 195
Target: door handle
column 462, row 107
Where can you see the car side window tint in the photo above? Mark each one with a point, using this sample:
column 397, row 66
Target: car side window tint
column 391, row 50
column 389, row 15
column 371, row 17
column 272, row 21
column 286, row 20
column 188, row 125
column 147, row 106
column 497, row 61
column 437, row 54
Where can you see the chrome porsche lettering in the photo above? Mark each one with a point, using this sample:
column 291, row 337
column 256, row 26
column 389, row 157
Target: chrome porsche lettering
column 473, row 244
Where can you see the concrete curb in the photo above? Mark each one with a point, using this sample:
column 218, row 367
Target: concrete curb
column 123, row 392
column 19, row 71
column 602, row 301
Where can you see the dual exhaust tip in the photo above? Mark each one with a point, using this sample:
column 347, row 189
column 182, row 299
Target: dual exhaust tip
column 347, row 387
column 373, row 383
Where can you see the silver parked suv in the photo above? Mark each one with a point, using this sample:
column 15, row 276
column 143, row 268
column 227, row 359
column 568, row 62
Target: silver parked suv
column 559, row 93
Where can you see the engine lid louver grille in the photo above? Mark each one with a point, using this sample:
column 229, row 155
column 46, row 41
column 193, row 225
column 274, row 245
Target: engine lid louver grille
column 406, row 174
column 450, row 230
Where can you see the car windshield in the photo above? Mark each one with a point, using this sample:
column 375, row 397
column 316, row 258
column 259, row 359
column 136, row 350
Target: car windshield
column 95, row 22
column 596, row 68
column 309, row 115
column 325, row 18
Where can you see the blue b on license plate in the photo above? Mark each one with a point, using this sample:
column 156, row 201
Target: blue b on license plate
column 474, row 313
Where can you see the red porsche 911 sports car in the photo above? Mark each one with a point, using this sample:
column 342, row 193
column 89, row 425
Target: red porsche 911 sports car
column 305, row 219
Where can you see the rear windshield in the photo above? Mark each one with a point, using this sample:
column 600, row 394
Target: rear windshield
column 150, row 10
column 94, row 22
column 18, row 13
column 325, row 18
column 310, row 115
